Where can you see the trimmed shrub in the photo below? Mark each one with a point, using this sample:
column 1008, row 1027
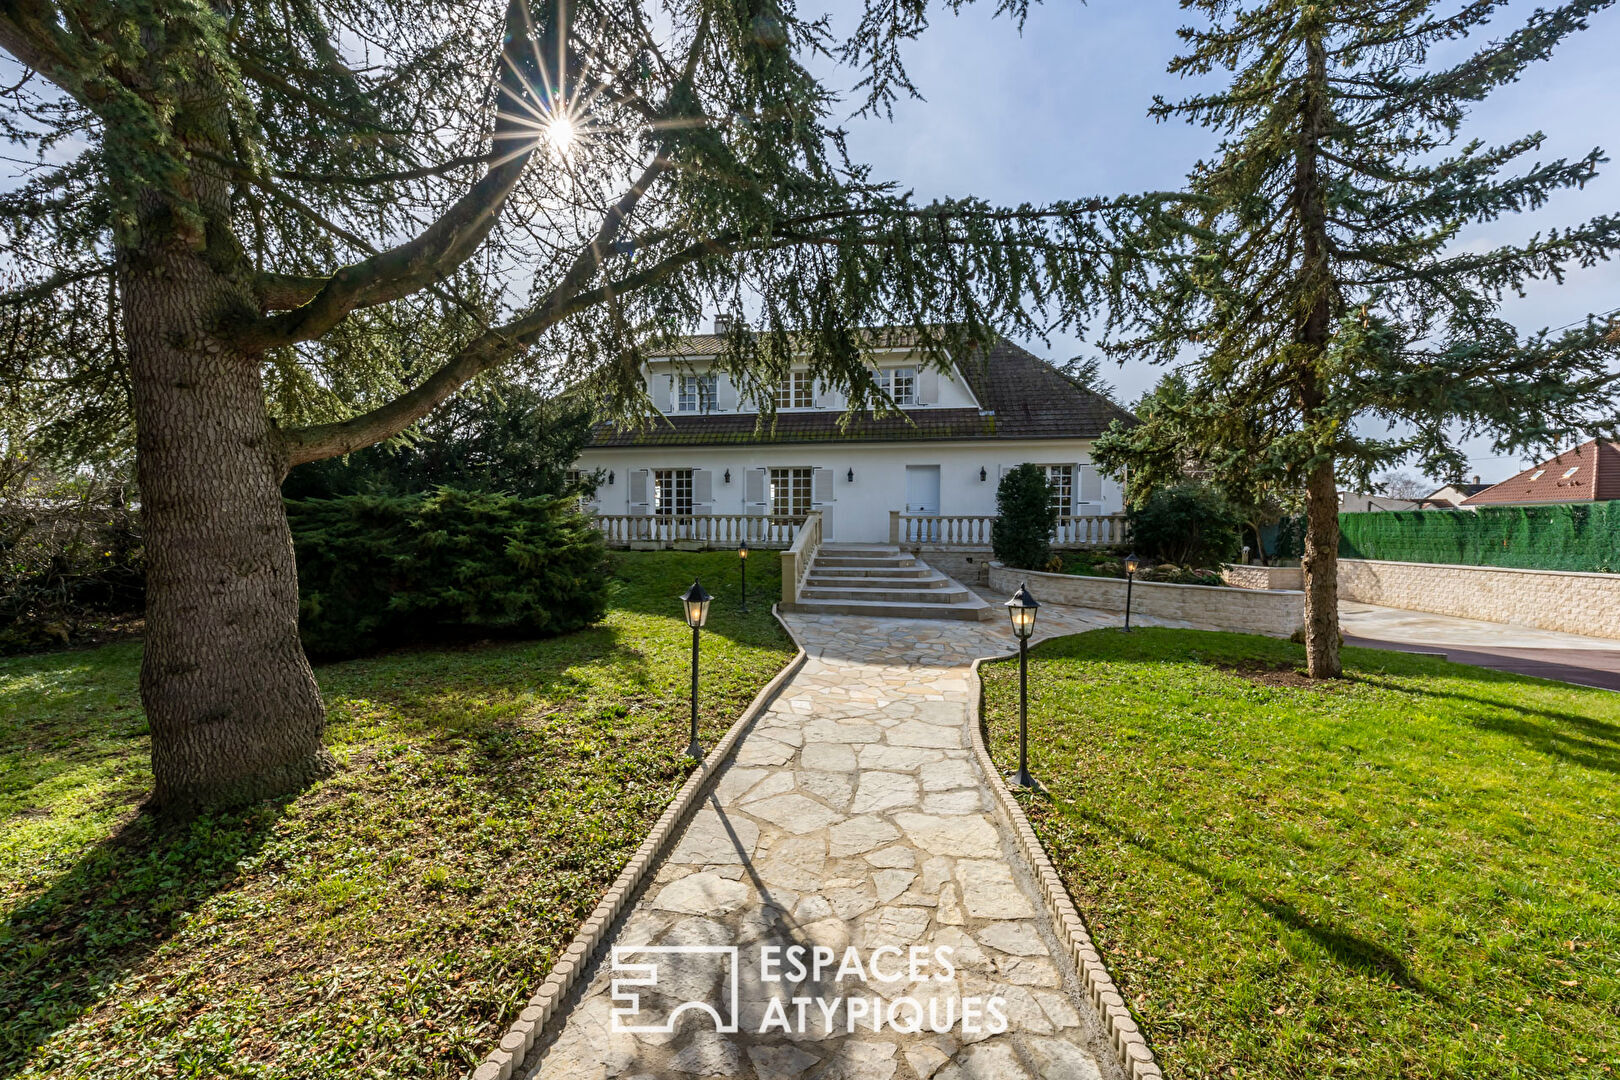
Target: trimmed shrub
column 1021, row 536
column 1187, row 524
column 1562, row 537
column 375, row 572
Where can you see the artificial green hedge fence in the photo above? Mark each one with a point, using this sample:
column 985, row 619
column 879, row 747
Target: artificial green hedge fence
column 1566, row 537
column 449, row 566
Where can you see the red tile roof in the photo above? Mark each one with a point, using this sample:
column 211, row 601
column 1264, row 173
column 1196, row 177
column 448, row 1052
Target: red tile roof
column 1588, row 473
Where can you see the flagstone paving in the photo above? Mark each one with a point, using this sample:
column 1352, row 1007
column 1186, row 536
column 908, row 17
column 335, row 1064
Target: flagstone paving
column 852, row 815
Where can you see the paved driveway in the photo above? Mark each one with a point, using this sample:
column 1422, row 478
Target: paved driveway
column 1572, row 658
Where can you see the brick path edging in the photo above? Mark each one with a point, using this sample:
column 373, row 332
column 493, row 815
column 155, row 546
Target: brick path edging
column 519, row 1039
column 1129, row 1043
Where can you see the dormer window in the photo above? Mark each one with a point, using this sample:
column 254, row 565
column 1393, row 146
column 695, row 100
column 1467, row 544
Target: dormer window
column 697, row 393
column 796, row 391
column 900, row 384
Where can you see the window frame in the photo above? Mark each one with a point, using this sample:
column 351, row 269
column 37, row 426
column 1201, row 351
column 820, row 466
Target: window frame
column 676, row 480
column 696, row 393
column 891, row 385
column 1060, row 482
column 797, row 480
column 797, row 390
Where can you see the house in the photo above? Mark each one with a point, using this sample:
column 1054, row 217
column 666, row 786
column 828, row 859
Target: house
column 932, row 469
column 1588, row 473
column 1451, row 496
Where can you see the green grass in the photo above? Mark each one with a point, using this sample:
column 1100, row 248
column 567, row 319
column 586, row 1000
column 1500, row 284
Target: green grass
column 389, row 922
column 1410, row 872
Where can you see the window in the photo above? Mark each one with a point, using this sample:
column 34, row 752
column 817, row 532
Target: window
column 1537, row 474
column 796, row 391
column 1060, row 478
column 1570, row 472
column 900, row 384
column 697, row 393
column 672, row 492
column 790, row 492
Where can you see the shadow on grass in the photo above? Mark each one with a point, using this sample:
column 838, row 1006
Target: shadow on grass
column 62, row 951
column 1350, row 950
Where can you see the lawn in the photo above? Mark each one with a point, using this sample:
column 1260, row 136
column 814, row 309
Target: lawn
column 1410, row 872
column 387, row 923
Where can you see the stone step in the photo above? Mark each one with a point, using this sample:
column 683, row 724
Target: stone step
column 951, row 594
column 816, row 580
column 873, row 561
column 876, row 573
column 974, row 610
column 859, row 549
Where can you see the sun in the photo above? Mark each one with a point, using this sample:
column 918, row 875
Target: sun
column 560, row 134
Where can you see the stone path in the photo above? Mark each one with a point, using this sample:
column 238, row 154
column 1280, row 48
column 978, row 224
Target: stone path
column 852, row 816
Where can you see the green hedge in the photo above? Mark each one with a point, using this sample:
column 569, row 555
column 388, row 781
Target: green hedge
column 1569, row 537
column 453, row 565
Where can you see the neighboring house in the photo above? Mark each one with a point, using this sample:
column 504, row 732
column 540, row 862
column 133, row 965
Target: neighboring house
column 943, row 454
column 1360, row 502
column 1588, row 473
column 1451, row 496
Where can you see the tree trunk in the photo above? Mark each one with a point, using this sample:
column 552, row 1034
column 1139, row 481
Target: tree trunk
column 234, row 710
column 1321, row 563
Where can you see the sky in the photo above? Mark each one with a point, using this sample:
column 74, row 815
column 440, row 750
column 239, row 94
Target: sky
column 1060, row 111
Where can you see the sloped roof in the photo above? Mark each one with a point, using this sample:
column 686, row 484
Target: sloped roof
column 1023, row 396
column 1593, row 475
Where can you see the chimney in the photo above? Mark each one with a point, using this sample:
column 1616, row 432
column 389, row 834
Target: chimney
column 723, row 324
column 1476, row 478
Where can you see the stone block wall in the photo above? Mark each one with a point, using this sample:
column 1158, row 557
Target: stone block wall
column 1279, row 613
column 1575, row 603
column 969, row 567
column 1240, row 576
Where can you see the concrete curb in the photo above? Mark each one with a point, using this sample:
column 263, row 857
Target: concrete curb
column 1133, row 1050
column 514, row 1047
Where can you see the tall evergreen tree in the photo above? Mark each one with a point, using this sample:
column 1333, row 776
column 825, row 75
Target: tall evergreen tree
column 1321, row 288
column 283, row 230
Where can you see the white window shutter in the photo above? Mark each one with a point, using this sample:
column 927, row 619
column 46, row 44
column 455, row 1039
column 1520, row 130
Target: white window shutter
column 821, row 490
column 1088, row 483
column 638, row 490
column 725, row 394
column 928, row 386
column 702, row 491
column 754, row 488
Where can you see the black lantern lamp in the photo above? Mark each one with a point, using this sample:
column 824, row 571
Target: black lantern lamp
column 1022, row 608
column 695, row 605
column 1133, row 563
column 742, row 558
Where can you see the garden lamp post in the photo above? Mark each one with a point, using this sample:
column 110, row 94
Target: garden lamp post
column 1022, row 608
column 695, row 605
column 1132, row 564
column 742, row 556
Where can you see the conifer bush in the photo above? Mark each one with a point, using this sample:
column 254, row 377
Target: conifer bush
column 1021, row 536
column 452, row 565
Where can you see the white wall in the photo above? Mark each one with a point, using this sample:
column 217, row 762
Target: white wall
column 934, row 388
column 859, row 510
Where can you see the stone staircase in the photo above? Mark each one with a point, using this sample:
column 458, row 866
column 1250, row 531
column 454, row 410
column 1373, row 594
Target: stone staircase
column 875, row 579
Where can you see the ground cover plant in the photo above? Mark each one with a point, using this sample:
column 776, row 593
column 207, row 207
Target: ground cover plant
column 389, row 921
column 1408, row 872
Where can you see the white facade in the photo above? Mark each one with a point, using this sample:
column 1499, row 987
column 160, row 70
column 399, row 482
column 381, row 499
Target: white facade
column 854, row 484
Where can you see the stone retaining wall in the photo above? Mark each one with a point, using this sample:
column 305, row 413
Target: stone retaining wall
column 1576, row 603
column 1240, row 576
column 967, row 567
column 1279, row 613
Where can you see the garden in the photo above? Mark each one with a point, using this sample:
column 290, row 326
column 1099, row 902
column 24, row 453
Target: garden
column 1407, row 871
column 388, row 922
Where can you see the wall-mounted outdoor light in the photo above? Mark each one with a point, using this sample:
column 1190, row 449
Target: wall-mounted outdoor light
column 1022, row 609
column 1132, row 564
column 851, row 476
column 728, row 476
column 983, row 476
column 610, row 477
column 695, row 606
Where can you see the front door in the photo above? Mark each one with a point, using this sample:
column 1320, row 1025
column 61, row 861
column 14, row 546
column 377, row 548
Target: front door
column 922, row 498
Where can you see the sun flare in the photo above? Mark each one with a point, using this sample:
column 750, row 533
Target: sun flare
column 560, row 134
